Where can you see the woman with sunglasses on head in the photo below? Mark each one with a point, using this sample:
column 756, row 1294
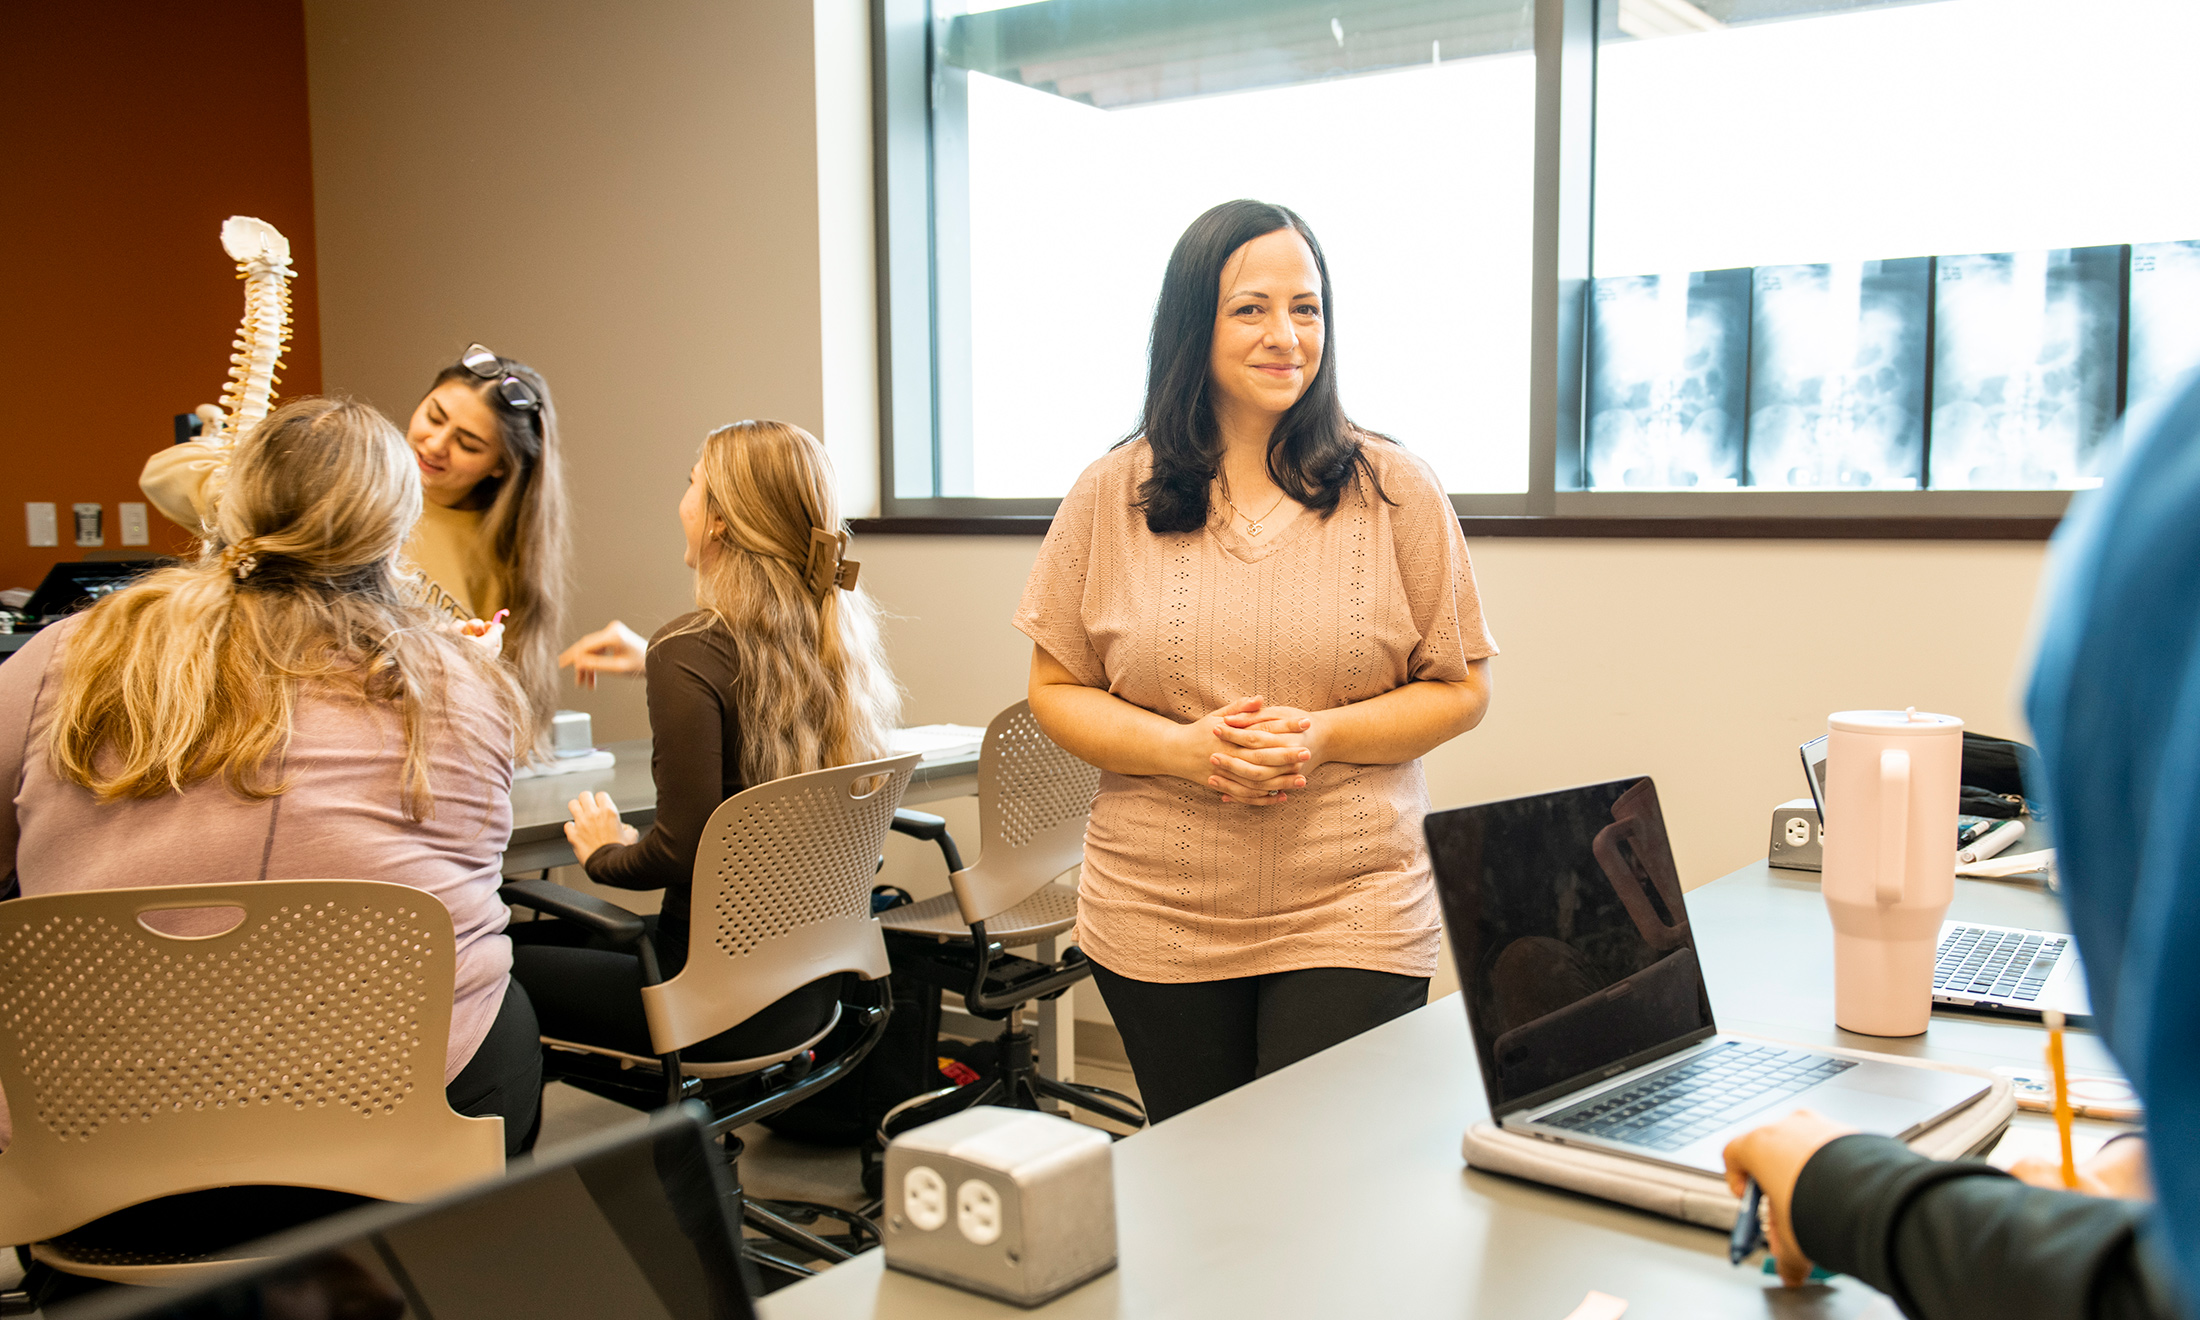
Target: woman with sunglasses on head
column 778, row 671
column 492, row 536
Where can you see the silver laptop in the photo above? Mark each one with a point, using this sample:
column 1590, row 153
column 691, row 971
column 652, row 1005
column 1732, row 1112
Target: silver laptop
column 1586, row 1000
column 1989, row 969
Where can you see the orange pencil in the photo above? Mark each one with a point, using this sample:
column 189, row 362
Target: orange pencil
column 2062, row 1095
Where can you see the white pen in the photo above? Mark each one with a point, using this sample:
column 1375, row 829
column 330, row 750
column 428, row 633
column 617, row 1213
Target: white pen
column 1991, row 842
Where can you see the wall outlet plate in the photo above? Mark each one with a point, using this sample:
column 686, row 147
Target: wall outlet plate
column 135, row 530
column 91, row 524
column 1798, row 837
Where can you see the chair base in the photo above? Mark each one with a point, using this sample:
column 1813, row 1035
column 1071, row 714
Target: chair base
column 1018, row 1084
column 788, row 1251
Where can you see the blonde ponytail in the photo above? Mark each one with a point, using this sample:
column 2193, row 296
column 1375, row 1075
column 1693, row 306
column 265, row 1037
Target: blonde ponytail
column 194, row 671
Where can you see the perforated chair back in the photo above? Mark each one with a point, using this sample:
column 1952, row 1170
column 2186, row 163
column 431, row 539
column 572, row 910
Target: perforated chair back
column 302, row 1047
column 1033, row 800
column 782, row 897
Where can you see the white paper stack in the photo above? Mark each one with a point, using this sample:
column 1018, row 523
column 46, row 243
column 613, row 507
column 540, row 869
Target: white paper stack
column 936, row 742
column 600, row 759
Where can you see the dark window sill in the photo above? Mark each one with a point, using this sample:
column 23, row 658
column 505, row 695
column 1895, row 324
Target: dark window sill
column 1676, row 528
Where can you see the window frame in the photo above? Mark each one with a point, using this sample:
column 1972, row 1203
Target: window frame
column 923, row 253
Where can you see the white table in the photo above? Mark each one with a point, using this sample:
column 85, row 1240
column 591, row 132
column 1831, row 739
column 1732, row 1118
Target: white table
column 1335, row 1188
column 539, row 814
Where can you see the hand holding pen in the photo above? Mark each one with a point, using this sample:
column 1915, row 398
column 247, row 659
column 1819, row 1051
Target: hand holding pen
column 1762, row 1167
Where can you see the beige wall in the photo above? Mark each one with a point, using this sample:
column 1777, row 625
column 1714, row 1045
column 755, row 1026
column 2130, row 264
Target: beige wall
column 666, row 208
column 628, row 197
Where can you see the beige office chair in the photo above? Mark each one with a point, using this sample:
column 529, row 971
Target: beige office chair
column 1033, row 801
column 782, row 899
column 302, row 1047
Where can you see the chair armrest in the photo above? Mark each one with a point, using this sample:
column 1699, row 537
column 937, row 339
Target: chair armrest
column 609, row 920
column 925, row 825
column 920, row 824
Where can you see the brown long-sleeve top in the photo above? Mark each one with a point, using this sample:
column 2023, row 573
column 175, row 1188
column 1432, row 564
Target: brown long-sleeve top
column 695, row 757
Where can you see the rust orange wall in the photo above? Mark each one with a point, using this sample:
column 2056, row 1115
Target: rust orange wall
column 128, row 132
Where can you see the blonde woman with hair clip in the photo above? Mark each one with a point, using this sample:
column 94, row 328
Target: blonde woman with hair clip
column 285, row 707
column 492, row 535
column 779, row 670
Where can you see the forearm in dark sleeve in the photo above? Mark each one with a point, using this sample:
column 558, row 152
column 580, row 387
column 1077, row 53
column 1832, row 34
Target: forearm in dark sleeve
column 685, row 719
column 1952, row 1239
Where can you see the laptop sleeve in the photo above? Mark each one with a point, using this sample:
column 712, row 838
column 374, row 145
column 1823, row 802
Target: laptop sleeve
column 1701, row 1198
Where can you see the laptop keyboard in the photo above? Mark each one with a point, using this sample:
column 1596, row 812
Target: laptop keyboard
column 1667, row 1110
column 1975, row 962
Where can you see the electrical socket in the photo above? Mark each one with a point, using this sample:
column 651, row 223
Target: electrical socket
column 924, row 1197
column 978, row 1212
column 44, row 529
column 134, row 528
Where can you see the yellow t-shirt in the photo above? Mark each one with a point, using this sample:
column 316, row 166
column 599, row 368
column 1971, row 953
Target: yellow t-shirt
column 446, row 544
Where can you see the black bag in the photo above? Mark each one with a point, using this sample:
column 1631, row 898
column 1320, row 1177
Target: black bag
column 1994, row 771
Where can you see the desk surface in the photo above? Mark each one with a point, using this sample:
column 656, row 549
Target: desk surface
column 1335, row 1187
column 539, row 814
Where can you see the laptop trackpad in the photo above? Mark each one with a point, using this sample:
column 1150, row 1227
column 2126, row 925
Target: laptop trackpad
column 1892, row 1101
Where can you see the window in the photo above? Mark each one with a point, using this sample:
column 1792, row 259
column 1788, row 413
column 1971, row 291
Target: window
column 1872, row 246
column 1073, row 140
column 1798, row 258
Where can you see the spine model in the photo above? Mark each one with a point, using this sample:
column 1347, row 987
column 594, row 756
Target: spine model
column 262, row 255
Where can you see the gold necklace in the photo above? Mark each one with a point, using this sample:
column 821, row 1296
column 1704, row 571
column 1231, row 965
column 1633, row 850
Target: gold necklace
column 1252, row 525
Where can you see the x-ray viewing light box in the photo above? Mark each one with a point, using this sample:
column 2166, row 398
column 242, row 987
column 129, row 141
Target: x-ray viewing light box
column 1989, row 371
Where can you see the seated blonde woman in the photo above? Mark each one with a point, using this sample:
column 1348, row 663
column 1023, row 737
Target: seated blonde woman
column 778, row 671
column 284, row 708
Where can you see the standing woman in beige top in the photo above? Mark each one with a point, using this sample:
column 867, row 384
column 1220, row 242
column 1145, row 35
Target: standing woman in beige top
column 493, row 530
column 1255, row 618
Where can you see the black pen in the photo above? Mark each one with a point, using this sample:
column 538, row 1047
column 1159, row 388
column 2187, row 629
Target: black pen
column 1749, row 1231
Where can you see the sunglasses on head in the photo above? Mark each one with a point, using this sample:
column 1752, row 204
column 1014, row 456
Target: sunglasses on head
column 488, row 366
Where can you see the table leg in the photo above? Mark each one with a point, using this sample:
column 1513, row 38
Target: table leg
column 1057, row 1031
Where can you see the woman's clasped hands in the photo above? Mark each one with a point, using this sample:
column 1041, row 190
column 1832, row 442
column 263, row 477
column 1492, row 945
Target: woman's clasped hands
column 1253, row 753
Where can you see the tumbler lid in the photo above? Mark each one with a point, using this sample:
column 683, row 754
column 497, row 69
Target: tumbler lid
column 1911, row 721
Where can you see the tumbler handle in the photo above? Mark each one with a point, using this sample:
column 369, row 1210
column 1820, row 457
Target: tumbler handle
column 1894, row 824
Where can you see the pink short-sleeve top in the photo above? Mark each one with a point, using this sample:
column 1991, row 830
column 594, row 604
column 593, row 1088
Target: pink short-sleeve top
column 1178, row 885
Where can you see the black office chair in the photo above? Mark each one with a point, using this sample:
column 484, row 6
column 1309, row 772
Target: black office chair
column 782, row 901
column 1033, row 800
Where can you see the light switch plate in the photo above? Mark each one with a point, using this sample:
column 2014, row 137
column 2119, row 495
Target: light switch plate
column 39, row 516
column 134, row 530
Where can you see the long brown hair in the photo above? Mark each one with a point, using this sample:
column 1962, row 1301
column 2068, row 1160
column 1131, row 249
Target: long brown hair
column 1315, row 450
column 812, row 689
column 527, row 531
column 194, row 671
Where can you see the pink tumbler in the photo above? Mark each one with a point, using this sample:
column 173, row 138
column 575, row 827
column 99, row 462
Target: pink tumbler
column 1892, row 782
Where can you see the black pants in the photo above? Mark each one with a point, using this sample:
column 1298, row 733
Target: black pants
column 1192, row 1041
column 505, row 1075
column 593, row 995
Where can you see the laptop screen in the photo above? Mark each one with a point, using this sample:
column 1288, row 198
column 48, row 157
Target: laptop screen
column 631, row 1224
column 1574, row 951
column 1814, row 769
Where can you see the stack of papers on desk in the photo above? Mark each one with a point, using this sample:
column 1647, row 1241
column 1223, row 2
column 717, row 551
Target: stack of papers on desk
column 2009, row 864
column 599, row 759
column 937, row 742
